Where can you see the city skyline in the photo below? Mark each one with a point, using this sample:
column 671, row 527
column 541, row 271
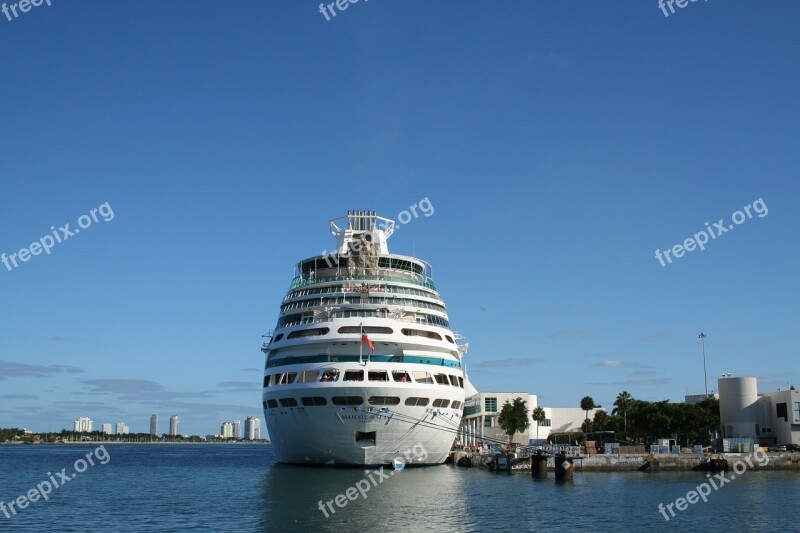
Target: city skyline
column 252, row 425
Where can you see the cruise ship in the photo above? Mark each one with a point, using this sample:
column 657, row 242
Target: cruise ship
column 363, row 367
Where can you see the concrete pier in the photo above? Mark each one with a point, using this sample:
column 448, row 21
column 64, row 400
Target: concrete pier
column 635, row 462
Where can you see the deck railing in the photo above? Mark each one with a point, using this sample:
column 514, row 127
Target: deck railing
column 300, row 281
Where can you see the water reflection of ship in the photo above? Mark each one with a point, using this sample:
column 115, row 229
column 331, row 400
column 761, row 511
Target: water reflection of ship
column 289, row 498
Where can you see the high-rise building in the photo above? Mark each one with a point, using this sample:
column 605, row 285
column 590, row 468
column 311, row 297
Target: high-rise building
column 252, row 428
column 237, row 429
column 154, row 424
column 173, row 426
column 226, row 430
column 121, row 429
column 107, row 428
column 83, row 424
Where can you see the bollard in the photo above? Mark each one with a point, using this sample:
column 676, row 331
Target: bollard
column 499, row 463
column 538, row 465
column 564, row 468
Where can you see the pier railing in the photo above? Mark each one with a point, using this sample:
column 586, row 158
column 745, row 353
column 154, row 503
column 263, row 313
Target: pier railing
column 523, row 452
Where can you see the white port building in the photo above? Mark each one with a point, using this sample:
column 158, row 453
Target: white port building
column 481, row 411
column 769, row 418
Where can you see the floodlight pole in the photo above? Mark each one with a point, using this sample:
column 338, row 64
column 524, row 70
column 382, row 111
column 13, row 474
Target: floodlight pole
column 705, row 373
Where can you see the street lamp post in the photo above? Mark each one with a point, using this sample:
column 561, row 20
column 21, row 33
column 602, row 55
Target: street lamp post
column 703, row 337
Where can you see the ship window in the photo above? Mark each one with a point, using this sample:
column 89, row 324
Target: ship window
column 310, row 332
column 421, row 333
column 276, row 378
column 456, row 405
column 266, row 381
column 422, row 377
column 264, row 404
column 288, row 378
column 449, row 339
column 365, row 437
column 354, row 375
column 330, row 375
column 419, row 402
column 441, row 379
column 378, row 375
column 461, row 382
column 272, row 404
column 453, row 381
column 309, row 376
column 367, row 329
column 278, row 337
column 401, row 375
column 288, row 402
column 441, row 402
column 347, row 400
column 310, row 401
column 384, row 400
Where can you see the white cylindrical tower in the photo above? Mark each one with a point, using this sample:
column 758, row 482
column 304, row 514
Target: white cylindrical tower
column 737, row 406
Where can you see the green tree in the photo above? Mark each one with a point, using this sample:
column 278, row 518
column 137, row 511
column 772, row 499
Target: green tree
column 10, row 434
column 513, row 417
column 538, row 416
column 600, row 421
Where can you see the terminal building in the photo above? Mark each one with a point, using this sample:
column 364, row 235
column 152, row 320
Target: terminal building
column 768, row 419
column 482, row 409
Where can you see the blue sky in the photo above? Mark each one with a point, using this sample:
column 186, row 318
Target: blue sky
column 560, row 143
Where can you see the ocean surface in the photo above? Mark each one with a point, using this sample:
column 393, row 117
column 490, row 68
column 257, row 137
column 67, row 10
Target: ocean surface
column 241, row 488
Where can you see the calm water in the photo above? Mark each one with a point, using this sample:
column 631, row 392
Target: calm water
column 239, row 487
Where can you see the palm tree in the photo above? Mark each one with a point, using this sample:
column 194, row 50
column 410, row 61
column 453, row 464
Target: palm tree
column 621, row 406
column 538, row 416
column 587, row 404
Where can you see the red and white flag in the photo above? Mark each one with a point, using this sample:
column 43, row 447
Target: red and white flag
column 364, row 338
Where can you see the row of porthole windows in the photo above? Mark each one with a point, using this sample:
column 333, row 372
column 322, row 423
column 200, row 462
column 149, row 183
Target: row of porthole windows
column 333, row 375
column 318, row 401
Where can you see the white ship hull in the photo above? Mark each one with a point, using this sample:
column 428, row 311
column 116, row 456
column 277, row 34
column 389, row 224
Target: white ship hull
column 327, row 434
